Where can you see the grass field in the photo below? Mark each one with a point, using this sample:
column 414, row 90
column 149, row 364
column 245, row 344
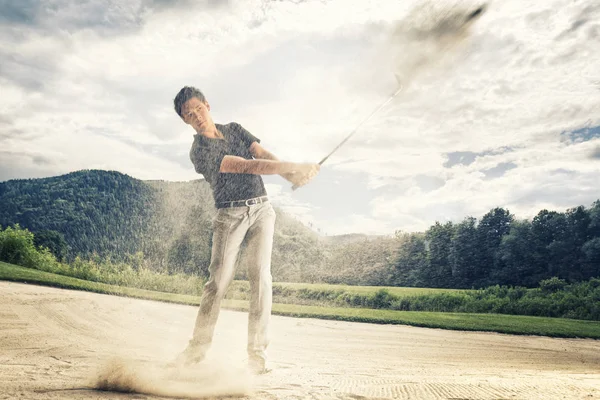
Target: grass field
column 396, row 291
column 522, row 325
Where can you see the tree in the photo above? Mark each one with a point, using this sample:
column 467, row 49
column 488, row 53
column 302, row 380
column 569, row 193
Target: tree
column 557, row 240
column 548, row 229
column 410, row 261
column 465, row 255
column 591, row 261
column 438, row 272
column 515, row 259
column 490, row 230
column 181, row 256
column 53, row 241
column 570, row 255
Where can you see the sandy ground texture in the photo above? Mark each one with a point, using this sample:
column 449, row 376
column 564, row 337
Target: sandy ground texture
column 60, row 344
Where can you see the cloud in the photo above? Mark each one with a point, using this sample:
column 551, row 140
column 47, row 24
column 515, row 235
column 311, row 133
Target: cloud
column 22, row 12
column 91, row 84
column 588, row 14
column 581, row 135
column 21, row 164
column 101, row 16
column 554, row 177
column 498, row 170
column 429, row 183
column 460, row 158
column 54, row 154
column 282, row 198
column 38, row 159
column 468, row 157
column 29, row 63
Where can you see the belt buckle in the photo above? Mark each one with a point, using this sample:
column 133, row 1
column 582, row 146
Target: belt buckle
column 247, row 202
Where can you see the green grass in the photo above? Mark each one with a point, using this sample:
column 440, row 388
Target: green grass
column 10, row 272
column 521, row 325
column 365, row 290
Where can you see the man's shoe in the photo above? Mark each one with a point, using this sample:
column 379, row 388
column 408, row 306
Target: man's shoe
column 190, row 356
column 258, row 366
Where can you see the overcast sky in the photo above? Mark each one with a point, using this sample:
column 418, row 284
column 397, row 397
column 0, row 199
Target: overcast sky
column 510, row 118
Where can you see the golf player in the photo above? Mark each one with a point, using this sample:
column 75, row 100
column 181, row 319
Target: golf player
column 232, row 161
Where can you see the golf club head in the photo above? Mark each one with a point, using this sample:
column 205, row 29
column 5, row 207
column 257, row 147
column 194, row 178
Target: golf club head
column 476, row 13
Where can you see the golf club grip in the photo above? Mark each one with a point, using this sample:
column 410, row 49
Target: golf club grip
column 320, row 163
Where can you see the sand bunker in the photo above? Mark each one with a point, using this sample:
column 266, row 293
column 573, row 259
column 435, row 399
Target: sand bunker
column 58, row 344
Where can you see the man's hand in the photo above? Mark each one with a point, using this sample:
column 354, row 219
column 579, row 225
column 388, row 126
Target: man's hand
column 299, row 177
column 302, row 174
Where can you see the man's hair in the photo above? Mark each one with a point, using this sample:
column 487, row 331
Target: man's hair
column 186, row 93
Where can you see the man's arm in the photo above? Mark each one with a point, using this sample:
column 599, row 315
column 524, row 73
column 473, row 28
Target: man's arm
column 298, row 178
column 240, row 165
column 260, row 152
column 266, row 163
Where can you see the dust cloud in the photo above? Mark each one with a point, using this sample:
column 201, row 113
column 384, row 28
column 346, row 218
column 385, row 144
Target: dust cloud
column 128, row 376
column 431, row 38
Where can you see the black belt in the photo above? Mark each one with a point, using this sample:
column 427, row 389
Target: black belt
column 243, row 203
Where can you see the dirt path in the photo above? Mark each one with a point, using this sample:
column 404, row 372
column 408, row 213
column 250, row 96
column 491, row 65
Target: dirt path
column 52, row 340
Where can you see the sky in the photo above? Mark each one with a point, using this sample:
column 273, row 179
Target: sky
column 508, row 117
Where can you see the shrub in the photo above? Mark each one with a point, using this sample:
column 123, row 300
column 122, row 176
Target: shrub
column 381, row 299
column 552, row 285
column 16, row 247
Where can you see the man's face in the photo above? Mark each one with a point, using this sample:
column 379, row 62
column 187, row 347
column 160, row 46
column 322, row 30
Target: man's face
column 197, row 114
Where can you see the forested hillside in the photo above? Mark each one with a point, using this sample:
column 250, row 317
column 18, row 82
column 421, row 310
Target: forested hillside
column 499, row 249
column 95, row 211
column 110, row 214
column 168, row 226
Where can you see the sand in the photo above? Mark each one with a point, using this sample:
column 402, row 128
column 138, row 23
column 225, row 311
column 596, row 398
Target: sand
column 60, row 344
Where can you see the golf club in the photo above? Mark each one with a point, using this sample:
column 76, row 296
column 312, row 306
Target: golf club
column 357, row 127
column 470, row 17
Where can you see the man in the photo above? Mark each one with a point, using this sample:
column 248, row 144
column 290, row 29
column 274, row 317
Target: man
column 232, row 161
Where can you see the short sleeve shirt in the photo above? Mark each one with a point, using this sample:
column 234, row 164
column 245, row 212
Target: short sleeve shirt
column 206, row 154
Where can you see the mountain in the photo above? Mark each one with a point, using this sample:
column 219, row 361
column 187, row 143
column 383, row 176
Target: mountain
column 110, row 214
column 349, row 238
column 96, row 211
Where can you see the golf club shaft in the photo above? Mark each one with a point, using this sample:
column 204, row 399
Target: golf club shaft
column 375, row 111
column 361, row 124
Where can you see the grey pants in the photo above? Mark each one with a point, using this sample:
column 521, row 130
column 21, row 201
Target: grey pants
column 232, row 226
